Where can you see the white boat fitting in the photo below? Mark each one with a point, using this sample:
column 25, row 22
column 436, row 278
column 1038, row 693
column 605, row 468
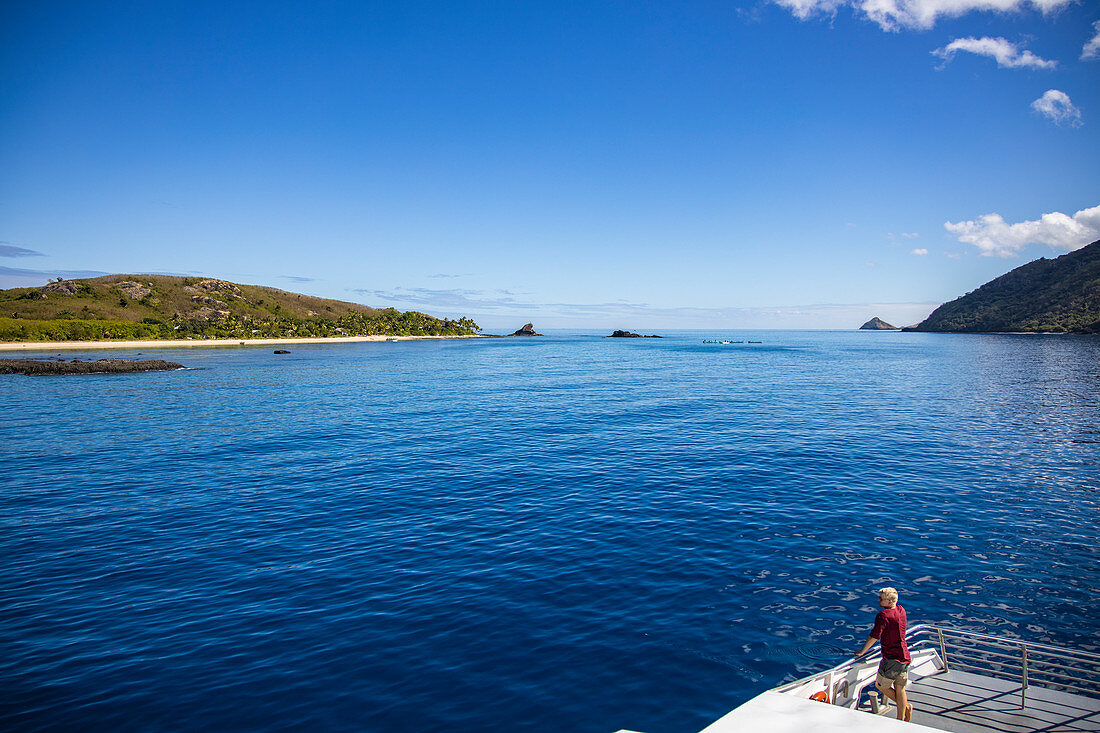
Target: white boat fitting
column 958, row 681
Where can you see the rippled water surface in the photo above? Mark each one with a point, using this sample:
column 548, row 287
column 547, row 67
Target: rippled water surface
column 568, row 533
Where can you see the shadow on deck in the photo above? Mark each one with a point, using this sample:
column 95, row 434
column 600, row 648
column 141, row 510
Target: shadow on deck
column 962, row 702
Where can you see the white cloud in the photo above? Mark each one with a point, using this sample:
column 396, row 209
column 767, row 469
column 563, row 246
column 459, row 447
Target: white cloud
column 803, row 9
column 994, row 237
column 1055, row 104
column 895, row 14
column 904, row 235
column 1092, row 48
column 1003, row 51
column 920, row 252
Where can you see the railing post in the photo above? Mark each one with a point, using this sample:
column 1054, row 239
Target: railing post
column 943, row 650
column 1023, row 689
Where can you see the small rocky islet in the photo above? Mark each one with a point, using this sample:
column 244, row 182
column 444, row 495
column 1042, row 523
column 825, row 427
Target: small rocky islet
column 47, row 367
column 630, row 335
column 877, row 324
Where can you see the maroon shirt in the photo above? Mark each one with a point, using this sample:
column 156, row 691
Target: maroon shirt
column 890, row 631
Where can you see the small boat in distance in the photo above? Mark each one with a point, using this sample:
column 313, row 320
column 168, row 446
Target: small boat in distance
column 959, row 681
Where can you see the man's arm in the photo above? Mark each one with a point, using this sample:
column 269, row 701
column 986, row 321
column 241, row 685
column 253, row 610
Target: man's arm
column 866, row 645
column 876, row 633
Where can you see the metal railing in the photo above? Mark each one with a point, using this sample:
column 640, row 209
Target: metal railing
column 1016, row 660
column 939, row 649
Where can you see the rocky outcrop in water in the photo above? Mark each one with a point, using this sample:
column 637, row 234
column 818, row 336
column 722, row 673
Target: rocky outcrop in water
column 42, row 367
column 527, row 330
column 877, row 324
column 630, row 335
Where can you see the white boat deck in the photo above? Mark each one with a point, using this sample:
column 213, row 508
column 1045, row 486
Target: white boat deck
column 989, row 699
column 777, row 712
column 963, row 702
column 959, row 702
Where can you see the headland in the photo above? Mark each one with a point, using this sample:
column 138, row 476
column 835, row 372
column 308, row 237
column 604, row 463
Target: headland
column 148, row 309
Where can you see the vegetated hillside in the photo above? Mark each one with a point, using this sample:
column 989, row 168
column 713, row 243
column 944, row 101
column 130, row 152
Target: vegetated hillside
column 163, row 306
column 1047, row 296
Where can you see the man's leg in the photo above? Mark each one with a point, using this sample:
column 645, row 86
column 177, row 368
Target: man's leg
column 883, row 687
column 905, row 710
column 887, row 691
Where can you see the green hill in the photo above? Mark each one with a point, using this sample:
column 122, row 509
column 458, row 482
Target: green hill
column 1045, row 296
column 168, row 307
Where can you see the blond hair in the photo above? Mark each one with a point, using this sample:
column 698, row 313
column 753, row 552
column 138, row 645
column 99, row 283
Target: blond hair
column 890, row 594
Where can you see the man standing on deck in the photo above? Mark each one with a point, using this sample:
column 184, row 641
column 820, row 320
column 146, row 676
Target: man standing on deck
column 893, row 671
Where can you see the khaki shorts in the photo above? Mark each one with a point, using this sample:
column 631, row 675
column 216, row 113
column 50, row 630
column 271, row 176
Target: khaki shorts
column 891, row 672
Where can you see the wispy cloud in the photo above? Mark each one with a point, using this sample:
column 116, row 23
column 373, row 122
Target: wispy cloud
column 298, row 278
column 17, row 277
column 50, row 274
column 7, row 249
column 895, row 237
column 475, row 303
column 892, row 15
column 996, row 238
column 456, row 299
column 920, row 252
column 1056, row 105
column 1001, row 50
column 1091, row 50
column 442, row 276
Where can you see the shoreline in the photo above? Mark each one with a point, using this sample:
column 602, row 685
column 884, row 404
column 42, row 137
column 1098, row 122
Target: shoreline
column 188, row 343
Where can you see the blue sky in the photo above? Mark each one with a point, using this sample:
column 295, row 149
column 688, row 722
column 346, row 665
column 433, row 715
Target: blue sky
column 793, row 164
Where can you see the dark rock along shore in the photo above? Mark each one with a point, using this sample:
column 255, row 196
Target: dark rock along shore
column 40, row 367
column 527, row 330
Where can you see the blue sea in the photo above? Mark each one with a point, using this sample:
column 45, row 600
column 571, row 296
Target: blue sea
column 567, row 533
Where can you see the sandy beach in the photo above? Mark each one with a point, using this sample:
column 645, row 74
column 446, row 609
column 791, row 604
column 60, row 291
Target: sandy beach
column 188, row 343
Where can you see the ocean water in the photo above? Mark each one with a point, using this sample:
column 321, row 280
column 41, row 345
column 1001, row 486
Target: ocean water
column 568, row 533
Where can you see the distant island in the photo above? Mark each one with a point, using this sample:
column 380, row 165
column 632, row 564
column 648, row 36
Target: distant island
column 877, row 324
column 1045, row 296
column 149, row 307
column 630, row 335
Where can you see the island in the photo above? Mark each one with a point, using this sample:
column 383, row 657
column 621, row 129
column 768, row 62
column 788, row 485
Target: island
column 629, row 335
column 46, row 367
column 163, row 307
column 527, row 330
column 1061, row 295
column 877, row 324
